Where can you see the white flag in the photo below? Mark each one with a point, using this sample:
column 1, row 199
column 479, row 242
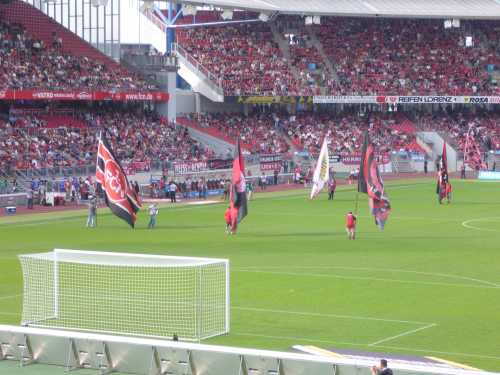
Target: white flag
column 322, row 171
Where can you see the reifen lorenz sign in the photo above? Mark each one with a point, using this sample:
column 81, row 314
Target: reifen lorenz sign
column 397, row 99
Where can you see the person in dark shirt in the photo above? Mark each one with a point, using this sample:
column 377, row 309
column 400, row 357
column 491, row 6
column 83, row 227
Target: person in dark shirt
column 383, row 369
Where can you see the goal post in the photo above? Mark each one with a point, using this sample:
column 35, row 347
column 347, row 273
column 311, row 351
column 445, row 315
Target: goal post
column 125, row 293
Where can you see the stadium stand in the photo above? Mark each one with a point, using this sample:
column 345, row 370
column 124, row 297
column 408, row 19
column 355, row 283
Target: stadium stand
column 408, row 57
column 345, row 132
column 138, row 137
column 258, row 131
column 471, row 133
column 369, row 56
column 244, row 56
column 37, row 52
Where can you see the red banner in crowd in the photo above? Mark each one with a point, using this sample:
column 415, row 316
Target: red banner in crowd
column 51, row 95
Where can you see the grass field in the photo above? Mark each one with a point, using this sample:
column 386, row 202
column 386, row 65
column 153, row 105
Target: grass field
column 427, row 285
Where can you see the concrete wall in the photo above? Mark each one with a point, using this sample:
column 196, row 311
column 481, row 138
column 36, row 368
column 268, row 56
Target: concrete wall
column 187, row 101
column 166, row 81
column 207, row 105
column 136, row 28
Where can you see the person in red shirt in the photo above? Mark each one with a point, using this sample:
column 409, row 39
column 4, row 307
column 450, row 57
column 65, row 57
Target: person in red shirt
column 448, row 192
column 227, row 218
column 350, row 225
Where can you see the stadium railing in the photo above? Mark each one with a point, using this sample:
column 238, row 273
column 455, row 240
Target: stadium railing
column 109, row 353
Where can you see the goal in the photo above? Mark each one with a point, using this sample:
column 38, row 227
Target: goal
column 132, row 294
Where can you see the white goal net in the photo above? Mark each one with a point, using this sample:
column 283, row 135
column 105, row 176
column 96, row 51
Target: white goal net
column 133, row 294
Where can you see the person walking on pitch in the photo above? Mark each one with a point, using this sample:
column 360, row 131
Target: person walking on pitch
column 332, row 185
column 249, row 189
column 350, row 225
column 227, row 218
column 153, row 212
column 91, row 219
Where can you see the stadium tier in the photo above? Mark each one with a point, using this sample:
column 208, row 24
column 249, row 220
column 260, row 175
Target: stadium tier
column 38, row 53
column 31, row 138
column 34, row 139
column 368, row 57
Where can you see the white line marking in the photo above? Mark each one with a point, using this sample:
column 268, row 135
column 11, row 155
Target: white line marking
column 41, row 222
column 466, row 224
column 9, row 313
column 333, row 276
column 396, row 270
column 406, row 333
column 305, row 313
column 11, row 296
column 298, row 339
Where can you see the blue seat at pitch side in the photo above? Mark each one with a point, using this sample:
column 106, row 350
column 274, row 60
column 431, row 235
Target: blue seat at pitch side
column 11, row 210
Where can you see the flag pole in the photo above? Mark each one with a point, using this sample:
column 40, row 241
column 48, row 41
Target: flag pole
column 356, row 203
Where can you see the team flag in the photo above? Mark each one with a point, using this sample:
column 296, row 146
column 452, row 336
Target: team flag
column 370, row 182
column 120, row 197
column 322, row 170
column 443, row 188
column 238, row 196
column 444, row 159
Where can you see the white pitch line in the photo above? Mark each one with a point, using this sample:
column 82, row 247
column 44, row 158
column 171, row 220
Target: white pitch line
column 11, row 296
column 9, row 313
column 305, row 313
column 333, row 276
column 397, row 270
column 406, row 333
column 296, row 339
column 466, row 224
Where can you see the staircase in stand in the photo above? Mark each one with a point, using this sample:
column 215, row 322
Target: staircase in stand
column 197, row 76
column 285, row 50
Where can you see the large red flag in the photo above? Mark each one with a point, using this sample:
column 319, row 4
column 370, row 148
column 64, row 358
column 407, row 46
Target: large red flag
column 238, row 197
column 120, row 197
column 443, row 187
column 370, row 182
column 444, row 159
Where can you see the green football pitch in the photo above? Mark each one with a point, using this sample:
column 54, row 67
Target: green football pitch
column 428, row 285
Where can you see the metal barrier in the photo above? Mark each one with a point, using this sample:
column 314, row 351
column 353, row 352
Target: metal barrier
column 109, row 353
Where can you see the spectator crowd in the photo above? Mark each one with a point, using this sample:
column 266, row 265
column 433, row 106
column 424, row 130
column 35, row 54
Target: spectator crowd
column 370, row 56
column 135, row 135
column 26, row 62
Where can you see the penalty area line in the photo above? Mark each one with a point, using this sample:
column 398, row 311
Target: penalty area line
column 325, row 315
column 363, row 278
column 10, row 296
column 406, row 333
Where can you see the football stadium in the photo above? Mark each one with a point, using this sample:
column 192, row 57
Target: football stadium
column 258, row 187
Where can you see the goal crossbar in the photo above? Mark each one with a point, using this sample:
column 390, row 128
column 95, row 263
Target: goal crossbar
column 126, row 293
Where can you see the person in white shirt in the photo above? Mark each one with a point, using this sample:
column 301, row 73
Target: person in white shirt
column 173, row 191
column 153, row 212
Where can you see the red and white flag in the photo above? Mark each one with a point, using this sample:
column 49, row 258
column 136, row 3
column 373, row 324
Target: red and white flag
column 120, row 196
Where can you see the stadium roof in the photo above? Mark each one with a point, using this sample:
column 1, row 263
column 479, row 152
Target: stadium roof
column 486, row 9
